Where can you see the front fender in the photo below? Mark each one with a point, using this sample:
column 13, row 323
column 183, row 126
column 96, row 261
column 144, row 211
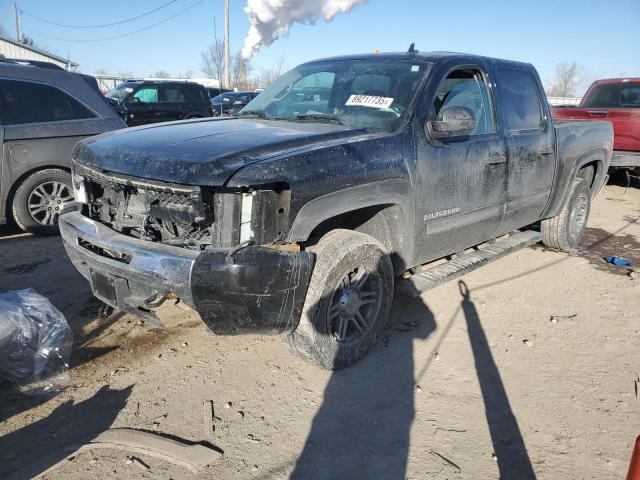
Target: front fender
column 398, row 192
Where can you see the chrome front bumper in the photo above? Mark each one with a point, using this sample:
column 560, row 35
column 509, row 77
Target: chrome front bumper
column 126, row 272
column 256, row 289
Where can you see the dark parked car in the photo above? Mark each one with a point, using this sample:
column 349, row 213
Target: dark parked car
column 231, row 103
column 215, row 91
column 44, row 111
column 302, row 214
column 152, row 101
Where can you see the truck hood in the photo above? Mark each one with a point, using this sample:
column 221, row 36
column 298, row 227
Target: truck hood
column 202, row 152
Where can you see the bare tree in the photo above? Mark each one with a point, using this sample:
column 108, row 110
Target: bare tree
column 240, row 70
column 269, row 75
column 566, row 80
column 212, row 60
column 160, row 74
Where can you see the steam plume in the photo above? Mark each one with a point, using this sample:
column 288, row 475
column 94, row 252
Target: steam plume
column 270, row 19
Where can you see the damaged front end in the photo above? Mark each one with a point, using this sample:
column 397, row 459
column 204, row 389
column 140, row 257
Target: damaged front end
column 221, row 252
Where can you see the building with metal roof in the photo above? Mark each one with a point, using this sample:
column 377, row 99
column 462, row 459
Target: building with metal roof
column 14, row 49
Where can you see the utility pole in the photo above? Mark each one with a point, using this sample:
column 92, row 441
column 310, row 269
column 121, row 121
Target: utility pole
column 227, row 52
column 16, row 12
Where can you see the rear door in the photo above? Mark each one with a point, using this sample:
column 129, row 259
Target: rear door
column 461, row 180
column 530, row 145
column 171, row 104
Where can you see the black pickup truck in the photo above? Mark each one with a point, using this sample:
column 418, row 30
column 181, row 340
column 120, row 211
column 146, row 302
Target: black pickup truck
column 346, row 176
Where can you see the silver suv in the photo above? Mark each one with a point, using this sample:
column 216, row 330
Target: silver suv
column 44, row 111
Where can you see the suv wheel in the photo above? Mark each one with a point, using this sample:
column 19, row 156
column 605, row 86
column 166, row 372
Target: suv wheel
column 563, row 232
column 39, row 199
column 348, row 300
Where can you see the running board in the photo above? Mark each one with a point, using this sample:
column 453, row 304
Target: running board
column 427, row 277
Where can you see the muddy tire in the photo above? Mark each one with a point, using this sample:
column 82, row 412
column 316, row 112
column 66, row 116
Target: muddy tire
column 39, row 199
column 563, row 232
column 348, row 300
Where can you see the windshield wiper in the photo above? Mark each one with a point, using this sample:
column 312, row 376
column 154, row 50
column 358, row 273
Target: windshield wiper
column 327, row 117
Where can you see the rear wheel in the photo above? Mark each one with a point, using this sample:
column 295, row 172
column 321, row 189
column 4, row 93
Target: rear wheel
column 563, row 232
column 348, row 300
column 39, row 200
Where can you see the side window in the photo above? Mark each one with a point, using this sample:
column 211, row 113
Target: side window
column 630, row 95
column 194, row 93
column 171, row 94
column 468, row 88
column 521, row 102
column 146, row 95
column 26, row 102
column 244, row 99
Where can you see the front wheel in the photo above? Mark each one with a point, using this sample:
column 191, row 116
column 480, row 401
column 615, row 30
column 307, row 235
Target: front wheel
column 348, row 300
column 39, row 200
column 563, row 232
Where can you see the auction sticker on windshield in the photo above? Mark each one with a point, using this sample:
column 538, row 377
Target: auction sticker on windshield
column 369, row 101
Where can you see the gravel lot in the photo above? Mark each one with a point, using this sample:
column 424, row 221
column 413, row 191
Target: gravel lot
column 478, row 386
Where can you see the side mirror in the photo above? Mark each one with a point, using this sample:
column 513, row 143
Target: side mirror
column 453, row 121
column 133, row 100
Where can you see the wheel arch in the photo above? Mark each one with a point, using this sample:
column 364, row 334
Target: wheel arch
column 595, row 158
column 385, row 210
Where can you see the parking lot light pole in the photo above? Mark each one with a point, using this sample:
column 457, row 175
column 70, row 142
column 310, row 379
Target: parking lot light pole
column 16, row 12
column 227, row 54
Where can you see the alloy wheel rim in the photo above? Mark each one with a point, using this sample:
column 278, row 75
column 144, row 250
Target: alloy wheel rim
column 354, row 305
column 46, row 200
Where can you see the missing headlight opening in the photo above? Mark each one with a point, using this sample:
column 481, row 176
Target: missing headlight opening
column 246, row 206
column 179, row 215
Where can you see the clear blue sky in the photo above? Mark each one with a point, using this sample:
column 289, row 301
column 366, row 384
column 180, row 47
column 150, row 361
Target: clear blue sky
column 603, row 37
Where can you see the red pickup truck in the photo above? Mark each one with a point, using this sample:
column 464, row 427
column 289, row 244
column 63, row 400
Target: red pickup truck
column 616, row 100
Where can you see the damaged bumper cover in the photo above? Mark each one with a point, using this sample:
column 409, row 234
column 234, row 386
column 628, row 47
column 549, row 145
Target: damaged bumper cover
column 253, row 290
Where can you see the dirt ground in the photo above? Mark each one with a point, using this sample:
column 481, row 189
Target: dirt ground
column 473, row 384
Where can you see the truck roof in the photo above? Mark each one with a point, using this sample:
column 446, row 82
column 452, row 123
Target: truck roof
column 618, row 80
column 430, row 57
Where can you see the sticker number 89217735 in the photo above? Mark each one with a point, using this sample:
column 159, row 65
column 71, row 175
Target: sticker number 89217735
column 369, row 101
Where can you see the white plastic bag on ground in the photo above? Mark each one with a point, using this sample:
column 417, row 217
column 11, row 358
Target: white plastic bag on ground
column 35, row 343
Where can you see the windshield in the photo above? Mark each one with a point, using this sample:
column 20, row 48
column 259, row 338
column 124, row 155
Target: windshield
column 369, row 94
column 120, row 91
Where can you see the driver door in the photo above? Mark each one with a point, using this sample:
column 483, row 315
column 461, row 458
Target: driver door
column 143, row 106
column 460, row 180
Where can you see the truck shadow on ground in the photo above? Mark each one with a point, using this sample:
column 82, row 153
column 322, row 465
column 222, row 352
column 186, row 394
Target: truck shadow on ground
column 362, row 429
column 597, row 244
column 32, row 449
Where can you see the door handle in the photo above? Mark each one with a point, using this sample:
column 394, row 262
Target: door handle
column 496, row 158
column 547, row 151
column 597, row 113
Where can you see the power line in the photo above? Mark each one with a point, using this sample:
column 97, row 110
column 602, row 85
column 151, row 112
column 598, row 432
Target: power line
column 88, row 40
column 97, row 26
